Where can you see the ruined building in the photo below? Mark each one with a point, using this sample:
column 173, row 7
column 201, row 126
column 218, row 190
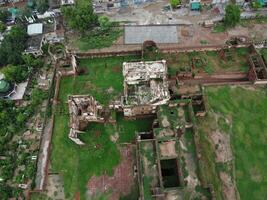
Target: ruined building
column 83, row 109
column 145, row 87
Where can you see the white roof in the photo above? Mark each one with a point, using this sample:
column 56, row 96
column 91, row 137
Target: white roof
column 35, row 29
column 2, row 76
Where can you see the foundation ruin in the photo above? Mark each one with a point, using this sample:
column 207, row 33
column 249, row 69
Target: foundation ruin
column 84, row 109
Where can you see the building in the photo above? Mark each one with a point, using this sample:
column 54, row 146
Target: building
column 145, row 87
column 83, row 109
column 195, row 4
column 42, row 33
column 7, row 89
column 67, row 2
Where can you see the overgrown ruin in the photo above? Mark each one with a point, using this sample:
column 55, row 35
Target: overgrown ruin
column 145, row 87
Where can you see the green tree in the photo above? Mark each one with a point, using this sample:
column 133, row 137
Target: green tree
column 41, row 6
column 175, row 3
column 256, row 4
column 80, row 17
column 26, row 11
column 232, row 15
column 15, row 73
column 104, row 23
column 12, row 46
column 4, row 15
column 2, row 27
column 32, row 62
column 5, row 191
column 37, row 96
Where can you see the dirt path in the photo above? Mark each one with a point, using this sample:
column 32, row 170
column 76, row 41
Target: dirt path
column 117, row 185
column 43, row 156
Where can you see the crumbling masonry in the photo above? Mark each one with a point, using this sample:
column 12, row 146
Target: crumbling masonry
column 83, row 109
column 145, row 87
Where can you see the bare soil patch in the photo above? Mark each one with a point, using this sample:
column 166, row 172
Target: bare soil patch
column 120, row 183
column 167, row 149
column 222, row 147
column 229, row 189
column 116, row 69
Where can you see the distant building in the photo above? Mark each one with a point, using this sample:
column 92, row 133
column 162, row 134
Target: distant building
column 42, row 33
column 195, row 4
column 67, row 2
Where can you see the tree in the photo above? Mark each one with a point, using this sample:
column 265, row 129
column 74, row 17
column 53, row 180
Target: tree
column 256, row 4
column 104, row 23
column 12, row 46
column 2, row 27
column 42, row 6
column 175, row 3
column 32, row 62
column 15, row 73
column 80, row 17
column 232, row 15
column 4, row 15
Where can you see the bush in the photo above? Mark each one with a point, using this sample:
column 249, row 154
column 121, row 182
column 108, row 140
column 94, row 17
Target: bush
column 175, row 3
column 232, row 15
column 255, row 5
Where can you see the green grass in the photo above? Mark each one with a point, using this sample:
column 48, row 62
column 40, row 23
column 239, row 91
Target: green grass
column 264, row 54
column 248, row 111
column 250, row 22
column 99, row 40
column 207, row 165
column 103, row 79
column 127, row 128
column 190, row 143
column 77, row 164
column 39, row 196
column 182, row 62
column 223, row 125
column 219, row 28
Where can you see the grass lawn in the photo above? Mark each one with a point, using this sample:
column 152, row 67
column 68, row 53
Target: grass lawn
column 251, row 22
column 98, row 40
column 100, row 155
column 127, row 128
column 212, row 62
column 103, row 79
column 219, row 28
column 248, row 111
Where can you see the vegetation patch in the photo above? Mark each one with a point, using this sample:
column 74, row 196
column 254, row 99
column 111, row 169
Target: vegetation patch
column 100, row 155
column 247, row 109
column 98, row 40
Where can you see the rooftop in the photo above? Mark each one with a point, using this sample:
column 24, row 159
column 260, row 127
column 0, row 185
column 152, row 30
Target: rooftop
column 4, row 86
column 159, row 34
column 35, row 29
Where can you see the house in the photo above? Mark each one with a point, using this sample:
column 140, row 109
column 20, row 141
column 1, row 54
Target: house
column 195, row 4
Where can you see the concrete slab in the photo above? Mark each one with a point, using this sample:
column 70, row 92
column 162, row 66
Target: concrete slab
column 21, row 87
column 159, row 33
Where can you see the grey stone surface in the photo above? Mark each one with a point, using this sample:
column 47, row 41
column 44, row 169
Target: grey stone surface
column 159, row 34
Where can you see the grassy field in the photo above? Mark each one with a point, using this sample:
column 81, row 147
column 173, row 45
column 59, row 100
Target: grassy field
column 98, row 40
column 100, row 155
column 247, row 110
column 103, row 79
column 212, row 63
